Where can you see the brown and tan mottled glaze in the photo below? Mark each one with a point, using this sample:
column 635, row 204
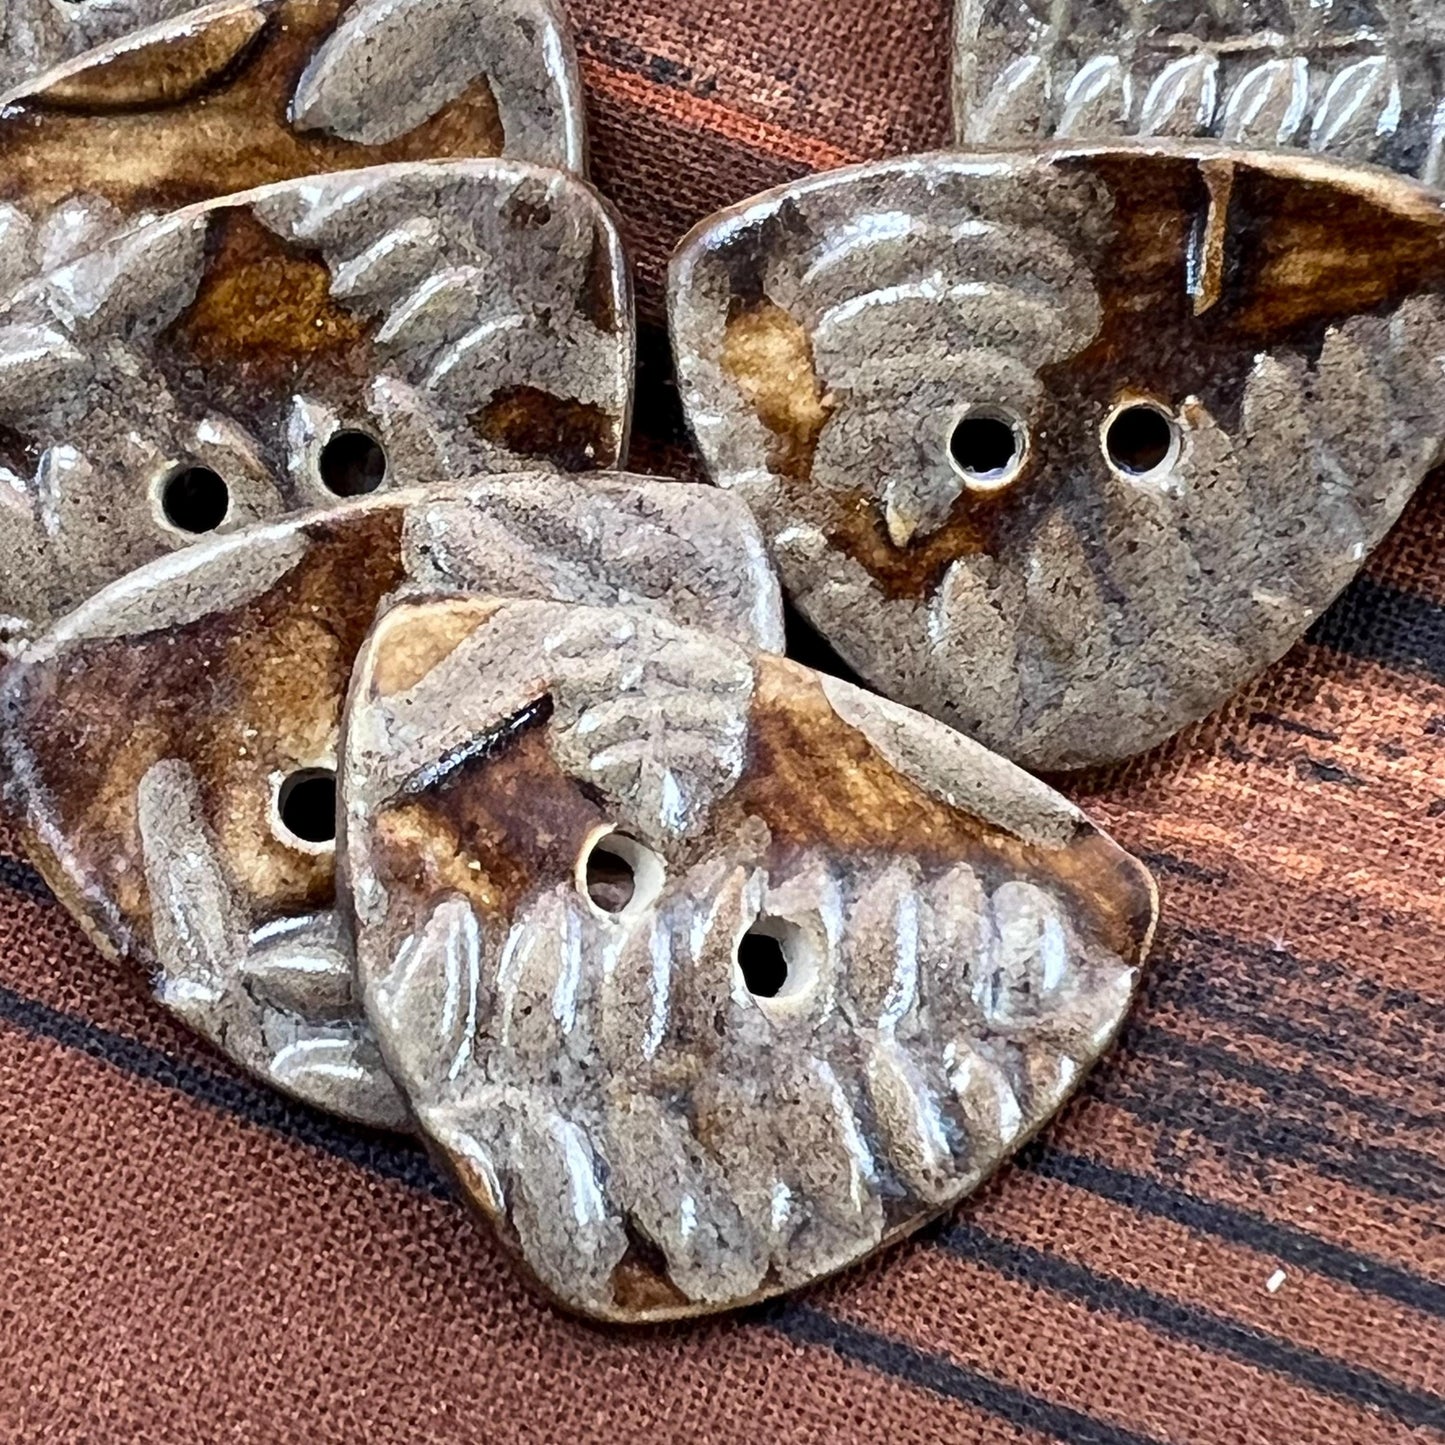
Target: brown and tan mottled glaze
column 1278, row 319
column 470, row 316
column 170, row 104
column 568, row 833
column 150, row 734
column 1358, row 79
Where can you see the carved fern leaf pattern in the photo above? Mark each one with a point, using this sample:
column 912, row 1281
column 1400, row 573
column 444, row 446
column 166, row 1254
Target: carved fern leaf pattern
column 800, row 1127
column 1326, row 78
column 35, row 35
column 657, row 719
column 386, row 68
column 274, row 990
column 611, row 541
column 1181, row 99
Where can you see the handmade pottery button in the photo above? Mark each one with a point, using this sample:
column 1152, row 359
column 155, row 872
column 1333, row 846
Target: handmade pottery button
column 705, row 973
column 311, row 340
column 1359, row 82
column 172, row 743
column 1066, row 446
column 177, row 104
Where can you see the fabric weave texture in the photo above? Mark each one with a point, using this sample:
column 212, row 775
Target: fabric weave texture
column 1236, row 1233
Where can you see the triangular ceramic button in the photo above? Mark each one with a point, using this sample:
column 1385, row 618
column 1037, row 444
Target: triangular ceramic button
column 706, row 974
column 312, row 340
column 173, row 742
column 1065, row 447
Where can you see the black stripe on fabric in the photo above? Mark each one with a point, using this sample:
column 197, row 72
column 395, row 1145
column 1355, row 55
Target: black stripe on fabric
column 1376, row 622
column 1282, row 1084
column 394, row 1158
column 806, row 1325
column 1316, row 770
column 1175, row 1099
column 1381, row 1041
column 397, row 1160
column 383, row 1154
column 1252, row 1013
column 1338, row 980
column 20, row 877
column 1177, row 867
column 1165, row 983
column 1164, row 1076
column 1393, row 1022
column 1283, row 1242
column 1246, row 1016
column 1290, row 725
column 1134, row 1191
column 1198, row 1326
column 624, row 54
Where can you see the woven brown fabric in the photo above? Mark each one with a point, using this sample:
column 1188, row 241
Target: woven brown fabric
column 187, row 1258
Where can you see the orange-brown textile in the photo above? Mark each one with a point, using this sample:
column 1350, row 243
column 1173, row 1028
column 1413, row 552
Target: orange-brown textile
column 1236, row 1233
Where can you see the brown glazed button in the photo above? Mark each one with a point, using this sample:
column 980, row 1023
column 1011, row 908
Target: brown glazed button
column 1358, row 82
column 176, row 105
column 306, row 342
column 705, row 973
column 1065, row 446
column 173, row 742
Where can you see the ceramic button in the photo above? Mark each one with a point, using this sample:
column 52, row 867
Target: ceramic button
column 1065, row 447
column 707, row 974
column 296, row 345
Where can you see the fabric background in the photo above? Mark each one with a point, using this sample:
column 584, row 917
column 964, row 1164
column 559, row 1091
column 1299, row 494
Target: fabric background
column 186, row 1258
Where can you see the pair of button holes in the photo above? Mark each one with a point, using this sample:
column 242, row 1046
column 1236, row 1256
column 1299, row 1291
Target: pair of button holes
column 989, row 445
column 196, row 499
column 619, row 876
